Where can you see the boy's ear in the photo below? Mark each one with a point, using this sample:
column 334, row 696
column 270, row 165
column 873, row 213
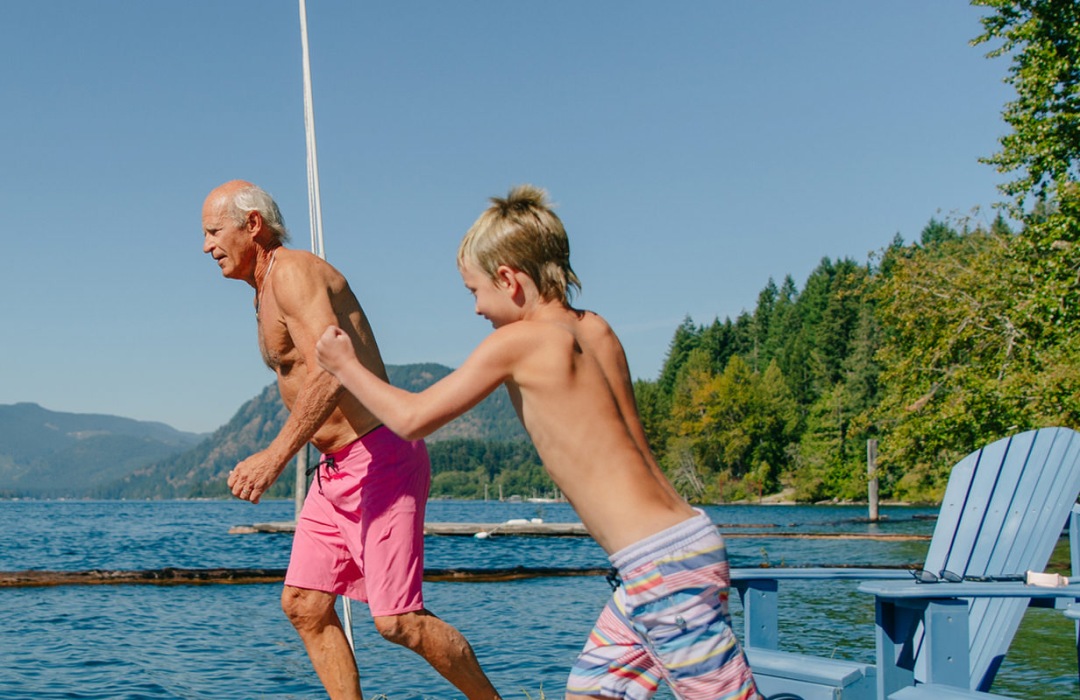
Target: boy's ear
column 505, row 277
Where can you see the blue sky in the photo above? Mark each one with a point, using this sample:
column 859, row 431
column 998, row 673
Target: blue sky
column 694, row 149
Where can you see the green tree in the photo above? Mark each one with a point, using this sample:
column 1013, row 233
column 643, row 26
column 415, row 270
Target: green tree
column 782, row 321
column 653, row 408
column 760, row 323
column 937, row 232
column 956, row 367
column 822, row 468
column 1043, row 39
column 731, row 431
column 687, row 337
column 1042, row 153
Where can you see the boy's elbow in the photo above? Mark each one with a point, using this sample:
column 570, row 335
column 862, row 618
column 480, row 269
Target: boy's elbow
column 412, row 435
column 410, row 427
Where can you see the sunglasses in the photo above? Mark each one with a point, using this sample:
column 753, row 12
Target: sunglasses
column 924, row 576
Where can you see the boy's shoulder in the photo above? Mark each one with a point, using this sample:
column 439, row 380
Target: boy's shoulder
column 596, row 327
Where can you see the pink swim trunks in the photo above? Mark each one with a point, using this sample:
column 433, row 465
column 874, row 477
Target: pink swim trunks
column 361, row 530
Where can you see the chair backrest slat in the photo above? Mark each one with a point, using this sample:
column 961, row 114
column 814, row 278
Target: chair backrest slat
column 1002, row 513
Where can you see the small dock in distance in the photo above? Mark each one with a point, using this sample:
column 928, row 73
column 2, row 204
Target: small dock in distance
column 516, row 528
column 537, row 528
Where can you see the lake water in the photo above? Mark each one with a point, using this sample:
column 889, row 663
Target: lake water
column 232, row 641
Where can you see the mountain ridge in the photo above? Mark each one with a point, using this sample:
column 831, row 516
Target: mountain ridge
column 50, row 454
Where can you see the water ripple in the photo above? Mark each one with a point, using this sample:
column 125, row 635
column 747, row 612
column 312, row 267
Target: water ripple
column 225, row 641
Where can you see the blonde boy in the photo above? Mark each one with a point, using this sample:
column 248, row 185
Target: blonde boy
column 568, row 379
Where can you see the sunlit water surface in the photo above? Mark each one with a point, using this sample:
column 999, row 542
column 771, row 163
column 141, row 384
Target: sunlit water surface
column 232, row 641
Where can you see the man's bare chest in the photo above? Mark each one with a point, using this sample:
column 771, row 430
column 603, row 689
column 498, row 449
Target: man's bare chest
column 275, row 344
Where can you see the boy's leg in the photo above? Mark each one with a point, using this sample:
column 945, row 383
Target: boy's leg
column 676, row 585
column 702, row 660
column 688, row 631
column 614, row 663
column 443, row 646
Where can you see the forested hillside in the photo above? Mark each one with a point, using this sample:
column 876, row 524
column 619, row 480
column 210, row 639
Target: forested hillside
column 933, row 348
column 487, row 445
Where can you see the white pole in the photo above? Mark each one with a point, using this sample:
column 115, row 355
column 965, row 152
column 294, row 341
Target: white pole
column 315, row 215
column 300, row 485
column 314, row 201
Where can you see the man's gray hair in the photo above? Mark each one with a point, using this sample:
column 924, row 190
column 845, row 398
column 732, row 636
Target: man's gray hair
column 253, row 198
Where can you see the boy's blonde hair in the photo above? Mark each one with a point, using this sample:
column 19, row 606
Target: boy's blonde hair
column 522, row 232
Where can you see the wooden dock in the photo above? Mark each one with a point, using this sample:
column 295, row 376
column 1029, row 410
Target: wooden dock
column 514, row 528
column 522, row 528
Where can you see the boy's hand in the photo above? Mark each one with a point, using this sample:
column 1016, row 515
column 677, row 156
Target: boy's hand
column 334, row 350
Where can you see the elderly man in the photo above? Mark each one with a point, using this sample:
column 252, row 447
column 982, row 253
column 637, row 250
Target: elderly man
column 360, row 532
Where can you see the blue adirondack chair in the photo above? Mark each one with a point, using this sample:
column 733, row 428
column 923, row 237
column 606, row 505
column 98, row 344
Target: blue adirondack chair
column 1002, row 514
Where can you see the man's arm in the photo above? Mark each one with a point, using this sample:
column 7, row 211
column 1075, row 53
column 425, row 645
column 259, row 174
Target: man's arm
column 413, row 416
column 305, row 310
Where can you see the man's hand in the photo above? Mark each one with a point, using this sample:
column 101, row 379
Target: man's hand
column 334, row 350
column 250, row 479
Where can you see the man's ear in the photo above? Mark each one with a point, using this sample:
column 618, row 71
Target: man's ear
column 253, row 223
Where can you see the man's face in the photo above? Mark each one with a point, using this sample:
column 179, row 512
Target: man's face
column 229, row 243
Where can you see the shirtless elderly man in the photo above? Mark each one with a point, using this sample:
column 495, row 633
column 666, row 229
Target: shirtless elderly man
column 360, row 532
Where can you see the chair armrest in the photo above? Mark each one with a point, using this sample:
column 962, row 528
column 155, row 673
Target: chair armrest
column 741, row 575
column 942, row 610
column 759, row 592
column 911, row 590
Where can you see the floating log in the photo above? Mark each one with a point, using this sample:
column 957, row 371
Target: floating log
column 195, row 577
column 159, row 577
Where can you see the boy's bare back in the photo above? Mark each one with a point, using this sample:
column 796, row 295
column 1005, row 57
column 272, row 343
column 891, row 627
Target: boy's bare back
column 573, row 393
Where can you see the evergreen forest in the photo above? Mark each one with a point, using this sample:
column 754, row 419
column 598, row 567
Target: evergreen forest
column 931, row 347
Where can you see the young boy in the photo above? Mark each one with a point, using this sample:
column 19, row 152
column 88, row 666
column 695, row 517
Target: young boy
column 567, row 376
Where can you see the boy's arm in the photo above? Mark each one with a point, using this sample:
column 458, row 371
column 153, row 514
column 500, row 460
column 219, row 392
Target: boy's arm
column 413, row 416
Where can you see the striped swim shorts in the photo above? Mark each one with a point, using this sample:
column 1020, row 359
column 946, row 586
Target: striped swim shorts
column 668, row 621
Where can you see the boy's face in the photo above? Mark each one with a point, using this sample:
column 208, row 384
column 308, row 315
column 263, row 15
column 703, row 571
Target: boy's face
column 493, row 300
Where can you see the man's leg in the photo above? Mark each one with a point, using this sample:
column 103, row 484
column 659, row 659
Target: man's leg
column 312, row 614
column 442, row 646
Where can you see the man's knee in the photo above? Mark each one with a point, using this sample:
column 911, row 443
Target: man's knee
column 406, row 629
column 306, row 608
